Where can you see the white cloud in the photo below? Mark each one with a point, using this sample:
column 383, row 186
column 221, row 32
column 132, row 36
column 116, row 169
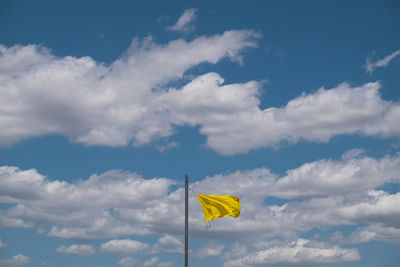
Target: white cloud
column 185, row 22
column 372, row 232
column 237, row 250
column 209, row 250
column 130, row 102
column 323, row 193
column 371, row 66
column 96, row 104
column 13, row 178
column 124, row 246
column 320, row 178
column 353, row 153
column 127, row 262
column 298, row 253
column 315, row 117
column 327, row 177
column 17, row 260
column 168, row 243
column 331, row 193
column 82, row 250
column 12, row 222
column 70, row 207
column 379, row 207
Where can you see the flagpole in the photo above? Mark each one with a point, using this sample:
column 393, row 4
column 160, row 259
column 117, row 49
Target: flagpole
column 186, row 221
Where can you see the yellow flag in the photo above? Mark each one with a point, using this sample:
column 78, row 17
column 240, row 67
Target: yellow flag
column 218, row 206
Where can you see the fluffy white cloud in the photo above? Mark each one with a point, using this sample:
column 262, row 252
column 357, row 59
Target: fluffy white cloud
column 124, row 246
column 371, row 66
column 11, row 181
column 333, row 211
column 323, row 193
column 86, row 209
column 83, row 250
column 97, row 104
column 316, row 117
column 185, row 22
column 168, row 243
column 379, row 207
column 131, row 102
column 298, row 253
column 127, row 262
column 233, row 122
column 327, row 177
column 365, row 234
column 209, row 250
column 17, row 260
column 320, row 178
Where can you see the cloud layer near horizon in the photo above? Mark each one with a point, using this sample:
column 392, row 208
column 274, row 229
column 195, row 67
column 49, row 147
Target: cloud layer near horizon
column 323, row 193
column 131, row 101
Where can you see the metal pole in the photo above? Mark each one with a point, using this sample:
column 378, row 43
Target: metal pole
column 186, row 221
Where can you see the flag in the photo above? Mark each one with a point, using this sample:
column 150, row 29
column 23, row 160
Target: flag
column 218, row 206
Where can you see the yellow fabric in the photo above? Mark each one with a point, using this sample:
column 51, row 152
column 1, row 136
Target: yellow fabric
column 218, row 206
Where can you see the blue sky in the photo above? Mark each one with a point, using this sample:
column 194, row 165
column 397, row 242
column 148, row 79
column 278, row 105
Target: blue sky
column 291, row 105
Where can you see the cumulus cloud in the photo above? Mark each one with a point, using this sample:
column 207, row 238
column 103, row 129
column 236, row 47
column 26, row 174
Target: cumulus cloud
column 322, row 178
column 320, row 193
column 17, row 260
column 316, row 117
column 71, row 208
column 373, row 232
column 324, row 193
column 82, row 250
column 124, row 246
column 379, row 207
column 371, row 66
column 185, row 22
column 97, row 104
column 131, row 101
column 168, row 243
column 301, row 252
column 328, row 178
column 209, row 250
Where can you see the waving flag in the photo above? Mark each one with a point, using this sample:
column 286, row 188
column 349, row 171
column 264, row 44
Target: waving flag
column 218, row 206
